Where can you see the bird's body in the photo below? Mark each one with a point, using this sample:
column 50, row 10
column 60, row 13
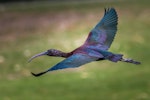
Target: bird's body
column 95, row 47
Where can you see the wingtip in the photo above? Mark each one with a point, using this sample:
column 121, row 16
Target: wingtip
column 107, row 9
column 38, row 74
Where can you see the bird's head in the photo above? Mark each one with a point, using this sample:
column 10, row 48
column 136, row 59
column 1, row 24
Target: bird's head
column 53, row 52
column 50, row 52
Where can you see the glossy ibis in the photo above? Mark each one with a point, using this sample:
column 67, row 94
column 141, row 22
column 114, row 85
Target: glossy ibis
column 95, row 47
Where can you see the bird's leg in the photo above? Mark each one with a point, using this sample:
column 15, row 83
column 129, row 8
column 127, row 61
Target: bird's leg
column 128, row 60
column 118, row 57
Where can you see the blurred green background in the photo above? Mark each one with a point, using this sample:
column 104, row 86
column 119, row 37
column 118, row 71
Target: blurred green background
column 27, row 28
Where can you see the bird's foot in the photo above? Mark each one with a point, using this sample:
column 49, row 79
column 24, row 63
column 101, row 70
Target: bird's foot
column 130, row 61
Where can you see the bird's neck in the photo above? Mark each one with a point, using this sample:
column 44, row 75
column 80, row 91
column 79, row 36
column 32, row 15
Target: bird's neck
column 63, row 54
column 58, row 53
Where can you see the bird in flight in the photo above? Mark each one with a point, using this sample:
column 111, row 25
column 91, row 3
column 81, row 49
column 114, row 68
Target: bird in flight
column 95, row 48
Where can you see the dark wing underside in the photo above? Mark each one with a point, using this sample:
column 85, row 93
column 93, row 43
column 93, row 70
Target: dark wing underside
column 73, row 61
column 104, row 32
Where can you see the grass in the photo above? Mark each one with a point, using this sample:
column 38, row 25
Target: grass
column 25, row 32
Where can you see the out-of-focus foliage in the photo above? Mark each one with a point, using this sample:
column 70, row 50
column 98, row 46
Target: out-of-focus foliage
column 29, row 28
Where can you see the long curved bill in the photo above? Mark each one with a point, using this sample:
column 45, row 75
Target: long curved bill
column 37, row 55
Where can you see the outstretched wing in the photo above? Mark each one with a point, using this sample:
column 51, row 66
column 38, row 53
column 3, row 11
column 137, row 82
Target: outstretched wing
column 73, row 61
column 104, row 32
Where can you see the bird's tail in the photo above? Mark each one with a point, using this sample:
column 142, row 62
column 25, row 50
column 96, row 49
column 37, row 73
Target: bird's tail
column 128, row 60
